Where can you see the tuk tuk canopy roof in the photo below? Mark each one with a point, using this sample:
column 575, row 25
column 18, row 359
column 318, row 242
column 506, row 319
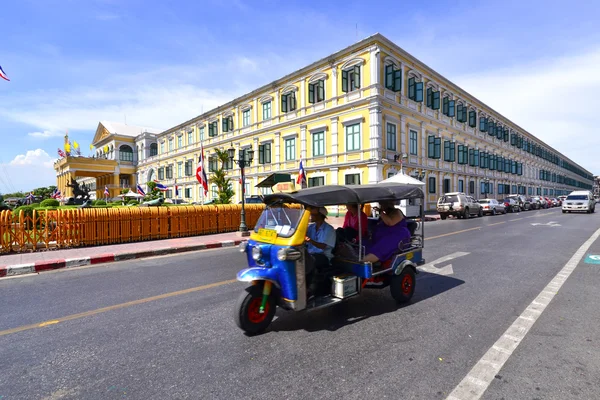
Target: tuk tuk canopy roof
column 331, row 195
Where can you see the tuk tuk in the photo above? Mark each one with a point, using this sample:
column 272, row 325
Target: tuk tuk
column 276, row 255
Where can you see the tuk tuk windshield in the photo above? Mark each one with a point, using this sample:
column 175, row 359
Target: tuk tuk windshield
column 280, row 219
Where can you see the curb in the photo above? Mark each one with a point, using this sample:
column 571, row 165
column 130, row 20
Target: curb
column 41, row 266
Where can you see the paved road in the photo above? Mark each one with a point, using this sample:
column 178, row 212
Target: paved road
column 162, row 328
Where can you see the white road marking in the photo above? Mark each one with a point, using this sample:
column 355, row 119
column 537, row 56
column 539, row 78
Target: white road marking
column 446, row 270
column 551, row 223
column 470, row 388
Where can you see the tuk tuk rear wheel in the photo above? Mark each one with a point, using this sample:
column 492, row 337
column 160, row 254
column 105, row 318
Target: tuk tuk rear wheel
column 402, row 286
column 247, row 314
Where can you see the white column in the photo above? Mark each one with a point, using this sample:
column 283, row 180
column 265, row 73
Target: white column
column 334, row 140
column 333, row 175
column 375, row 70
column 375, row 123
column 303, row 142
column 275, row 106
column 277, row 148
column 403, row 139
column 302, row 97
column 334, row 84
column 375, row 171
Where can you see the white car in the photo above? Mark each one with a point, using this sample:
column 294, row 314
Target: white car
column 492, row 206
column 582, row 200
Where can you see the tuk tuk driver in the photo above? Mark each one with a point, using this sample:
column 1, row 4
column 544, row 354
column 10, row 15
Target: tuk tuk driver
column 320, row 240
column 391, row 230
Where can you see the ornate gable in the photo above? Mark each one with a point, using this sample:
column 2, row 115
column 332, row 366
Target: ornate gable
column 101, row 133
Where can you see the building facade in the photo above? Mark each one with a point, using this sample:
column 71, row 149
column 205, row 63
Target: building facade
column 360, row 116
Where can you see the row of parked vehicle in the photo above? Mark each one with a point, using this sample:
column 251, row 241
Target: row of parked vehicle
column 461, row 205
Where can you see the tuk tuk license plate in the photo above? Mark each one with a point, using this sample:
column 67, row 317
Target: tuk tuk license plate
column 267, row 235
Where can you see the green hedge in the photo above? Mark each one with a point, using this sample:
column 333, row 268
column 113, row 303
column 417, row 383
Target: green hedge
column 50, row 203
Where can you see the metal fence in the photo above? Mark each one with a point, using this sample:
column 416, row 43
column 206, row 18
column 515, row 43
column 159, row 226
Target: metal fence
column 45, row 229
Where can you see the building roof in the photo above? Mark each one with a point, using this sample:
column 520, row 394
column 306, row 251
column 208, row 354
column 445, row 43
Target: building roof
column 127, row 130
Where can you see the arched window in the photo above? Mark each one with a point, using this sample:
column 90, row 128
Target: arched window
column 153, row 149
column 151, row 175
column 125, row 153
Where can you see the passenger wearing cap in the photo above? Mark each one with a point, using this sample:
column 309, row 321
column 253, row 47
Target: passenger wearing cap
column 320, row 240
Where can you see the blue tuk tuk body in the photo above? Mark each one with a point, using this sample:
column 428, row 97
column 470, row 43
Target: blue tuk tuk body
column 275, row 255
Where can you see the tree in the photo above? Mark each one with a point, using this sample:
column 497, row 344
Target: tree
column 219, row 178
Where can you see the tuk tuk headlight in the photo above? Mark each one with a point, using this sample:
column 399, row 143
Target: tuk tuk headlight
column 288, row 254
column 256, row 253
column 243, row 247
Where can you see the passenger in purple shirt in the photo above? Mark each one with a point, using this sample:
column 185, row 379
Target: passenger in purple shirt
column 389, row 231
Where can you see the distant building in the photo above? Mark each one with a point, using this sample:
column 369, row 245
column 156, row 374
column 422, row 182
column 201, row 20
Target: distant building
column 357, row 116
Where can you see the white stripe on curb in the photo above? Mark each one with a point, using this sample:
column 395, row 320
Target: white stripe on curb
column 20, row 269
column 474, row 385
column 77, row 262
column 228, row 243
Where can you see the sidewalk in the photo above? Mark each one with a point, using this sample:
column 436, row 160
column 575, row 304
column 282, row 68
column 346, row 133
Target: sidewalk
column 35, row 262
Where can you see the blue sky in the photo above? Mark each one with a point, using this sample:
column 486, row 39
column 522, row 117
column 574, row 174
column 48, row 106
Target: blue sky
column 73, row 63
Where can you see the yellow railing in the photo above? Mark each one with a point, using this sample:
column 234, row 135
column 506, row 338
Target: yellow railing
column 46, row 229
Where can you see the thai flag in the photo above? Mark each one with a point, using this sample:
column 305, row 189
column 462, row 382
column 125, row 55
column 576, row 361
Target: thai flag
column 176, row 191
column 3, row 74
column 106, row 192
column 56, row 194
column 140, row 190
column 201, row 172
column 29, row 198
column 61, row 153
column 160, row 186
column 301, row 176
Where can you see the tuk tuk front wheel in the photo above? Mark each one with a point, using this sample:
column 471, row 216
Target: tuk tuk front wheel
column 247, row 313
column 402, row 286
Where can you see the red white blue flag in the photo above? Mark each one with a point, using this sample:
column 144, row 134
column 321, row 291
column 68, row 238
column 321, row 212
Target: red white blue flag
column 301, row 176
column 56, row 194
column 106, row 192
column 176, row 190
column 160, row 186
column 201, row 172
column 3, row 74
column 140, row 190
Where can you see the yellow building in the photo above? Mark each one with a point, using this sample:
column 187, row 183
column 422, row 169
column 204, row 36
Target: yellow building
column 114, row 164
column 359, row 116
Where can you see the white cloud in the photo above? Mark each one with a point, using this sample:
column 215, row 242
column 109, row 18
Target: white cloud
column 46, row 134
column 555, row 100
column 27, row 171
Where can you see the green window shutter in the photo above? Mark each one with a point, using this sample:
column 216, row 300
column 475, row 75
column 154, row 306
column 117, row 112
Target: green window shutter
column 459, row 110
column 445, row 106
column 224, row 124
column 345, row 81
column 472, row 119
column 419, row 92
column 429, row 97
column 389, row 77
column 482, row 124
column 472, row 157
column 284, row 103
column 476, row 156
column 446, row 150
column 491, row 128
column 451, row 108
column 436, row 100
column 505, row 132
column 356, row 71
column 231, row 123
column 431, row 147
column 411, row 88
column 292, row 100
column 311, row 93
column 321, row 90
column 397, row 80
column 452, row 152
column 438, row 148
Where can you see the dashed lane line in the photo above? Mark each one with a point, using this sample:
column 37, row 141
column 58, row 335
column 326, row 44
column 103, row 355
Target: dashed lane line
column 474, row 385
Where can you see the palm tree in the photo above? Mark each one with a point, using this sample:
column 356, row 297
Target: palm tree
column 219, row 178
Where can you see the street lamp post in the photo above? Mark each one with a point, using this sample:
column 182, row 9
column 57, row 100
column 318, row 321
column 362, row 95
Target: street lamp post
column 244, row 159
column 419, row 174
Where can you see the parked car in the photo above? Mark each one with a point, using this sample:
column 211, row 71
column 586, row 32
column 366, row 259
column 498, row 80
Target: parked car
column 550, row 205
column 511, row 205
column 492, row 206
column 535, row 204
column 556, row 202
column 541, row 202
column 521, row 200
column 459, row 205
column 581, row 200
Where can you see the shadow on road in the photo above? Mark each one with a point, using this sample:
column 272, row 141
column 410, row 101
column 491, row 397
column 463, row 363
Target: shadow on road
column 371, row 303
